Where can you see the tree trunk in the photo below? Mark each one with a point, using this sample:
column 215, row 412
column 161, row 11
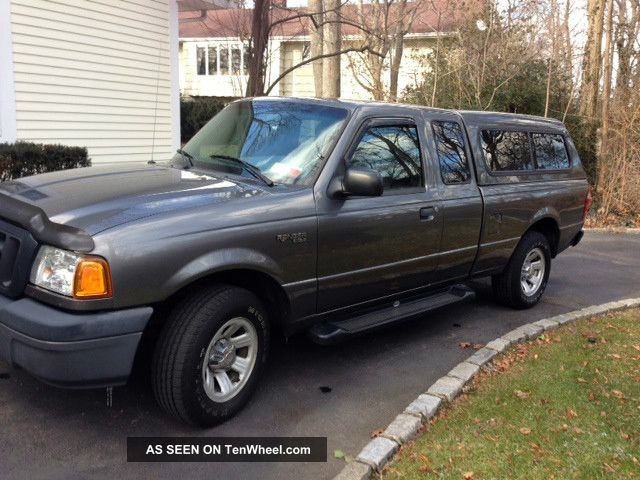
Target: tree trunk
column 317, row 43
column 331, row 65
column 606, row 90
column 592, row 63
column 566, row 33
column 259, row 44
column 397, row 48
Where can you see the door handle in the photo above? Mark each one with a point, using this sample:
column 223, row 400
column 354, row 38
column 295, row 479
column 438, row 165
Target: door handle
column 427, row 214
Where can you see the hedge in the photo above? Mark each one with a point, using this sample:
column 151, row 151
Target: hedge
column 194, row 113
column 22, row 159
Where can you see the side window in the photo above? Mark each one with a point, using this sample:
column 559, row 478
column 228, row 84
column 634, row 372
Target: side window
column 454, row 167
column 550, row 150
column 392, row 151
column 506, row 151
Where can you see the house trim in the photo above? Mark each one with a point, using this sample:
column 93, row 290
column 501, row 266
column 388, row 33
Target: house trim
column 174, row 55
column 8, row 128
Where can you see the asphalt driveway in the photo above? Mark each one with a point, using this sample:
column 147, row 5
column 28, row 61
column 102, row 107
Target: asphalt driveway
column 50, row 433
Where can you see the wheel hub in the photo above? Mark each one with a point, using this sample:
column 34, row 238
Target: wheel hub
column 229, row 359
column 223, row 355
column 532, row 272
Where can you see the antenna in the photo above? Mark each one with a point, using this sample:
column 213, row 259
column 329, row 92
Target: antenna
column 155, row 107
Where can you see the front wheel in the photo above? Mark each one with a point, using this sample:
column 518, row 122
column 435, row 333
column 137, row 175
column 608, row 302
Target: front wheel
column 210, row 354
column 524, row 280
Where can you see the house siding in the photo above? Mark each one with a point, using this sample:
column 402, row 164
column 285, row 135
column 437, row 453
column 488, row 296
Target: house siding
column 96, row 74
column 286, row 52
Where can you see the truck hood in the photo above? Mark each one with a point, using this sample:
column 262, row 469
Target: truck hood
column 94, row 199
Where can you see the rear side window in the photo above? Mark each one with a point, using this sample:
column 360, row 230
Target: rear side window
column 393, row 152
column 550, row 150
column 454, row 167
column 506, row 151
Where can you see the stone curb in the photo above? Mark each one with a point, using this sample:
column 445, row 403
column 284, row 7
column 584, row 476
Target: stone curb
column 379, row 451
column 613, row 229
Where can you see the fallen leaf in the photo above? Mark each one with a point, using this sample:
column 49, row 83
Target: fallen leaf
column 577, row 430
column 571, row 413
column 615, row 355
column 617, row 394
column 624, row 435
column 376, row 433
column 338, row 454
column 468, row 476
column 581, row 380
column 525, row 431
column 521, row 395
column 464, row 344
column 608, row 468
column 565, row 427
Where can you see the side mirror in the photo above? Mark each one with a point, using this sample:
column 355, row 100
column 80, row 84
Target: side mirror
column 362, row 182
column 357, row 181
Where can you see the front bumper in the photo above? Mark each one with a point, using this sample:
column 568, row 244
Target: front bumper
column 75, row 350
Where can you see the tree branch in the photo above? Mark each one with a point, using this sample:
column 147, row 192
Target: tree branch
column 313, row 59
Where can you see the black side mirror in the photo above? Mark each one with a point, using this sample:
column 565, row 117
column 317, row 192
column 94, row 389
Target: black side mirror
column 362, row 182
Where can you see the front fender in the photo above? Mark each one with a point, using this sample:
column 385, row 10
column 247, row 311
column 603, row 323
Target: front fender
column 222, row 260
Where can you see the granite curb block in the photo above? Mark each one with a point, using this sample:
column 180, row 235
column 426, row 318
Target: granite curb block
column 377, row 453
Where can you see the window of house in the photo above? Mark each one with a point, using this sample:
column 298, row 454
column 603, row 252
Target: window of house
column 392, row 151
column 246, row 57
column 224, row 60
column 201, row 60
column 452, row 156
column 212, row 61
column 236, row 59
column 550, row 150
column 506, row 151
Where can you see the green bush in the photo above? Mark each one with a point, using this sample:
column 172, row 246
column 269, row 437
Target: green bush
column 194, row 113
column 22, row 159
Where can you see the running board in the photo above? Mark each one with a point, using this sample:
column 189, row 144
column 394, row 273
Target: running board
column 334, row 331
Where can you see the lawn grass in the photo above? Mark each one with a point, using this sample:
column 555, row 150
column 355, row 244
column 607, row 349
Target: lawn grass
column 564, row 406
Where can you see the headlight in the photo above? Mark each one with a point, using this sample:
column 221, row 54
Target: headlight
column 71, row 274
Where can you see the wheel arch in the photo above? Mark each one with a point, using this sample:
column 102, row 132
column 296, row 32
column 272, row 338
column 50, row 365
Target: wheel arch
column 265, row 286
column 548, row 226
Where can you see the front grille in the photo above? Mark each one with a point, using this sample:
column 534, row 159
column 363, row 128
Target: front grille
column 17, row 249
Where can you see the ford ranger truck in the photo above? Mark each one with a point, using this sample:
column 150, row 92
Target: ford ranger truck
column 287, row 215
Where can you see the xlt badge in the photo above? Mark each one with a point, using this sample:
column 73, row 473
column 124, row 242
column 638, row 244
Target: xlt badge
column 298, row 237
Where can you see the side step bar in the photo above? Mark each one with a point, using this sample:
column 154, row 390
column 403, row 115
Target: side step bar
column 334, row 331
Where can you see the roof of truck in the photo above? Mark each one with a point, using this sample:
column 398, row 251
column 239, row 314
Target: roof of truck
column 469, row 116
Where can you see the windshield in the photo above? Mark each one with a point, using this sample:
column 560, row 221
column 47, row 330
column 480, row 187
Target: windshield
column 287, row 141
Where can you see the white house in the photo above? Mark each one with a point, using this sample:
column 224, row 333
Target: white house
column 213, row 51
column 101, row 74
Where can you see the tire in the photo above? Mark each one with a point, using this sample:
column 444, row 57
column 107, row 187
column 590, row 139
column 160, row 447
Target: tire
column 508, row 287
column 184, row 384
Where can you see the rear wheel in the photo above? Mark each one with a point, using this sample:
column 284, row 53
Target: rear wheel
column 523, row 281
column 210, row 354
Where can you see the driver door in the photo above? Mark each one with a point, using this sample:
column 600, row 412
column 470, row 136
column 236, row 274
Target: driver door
column 374, row 247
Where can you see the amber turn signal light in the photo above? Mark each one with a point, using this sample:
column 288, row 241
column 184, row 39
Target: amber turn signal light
column 92, row 279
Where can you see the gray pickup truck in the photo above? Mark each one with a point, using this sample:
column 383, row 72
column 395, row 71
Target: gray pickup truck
column 286, row 215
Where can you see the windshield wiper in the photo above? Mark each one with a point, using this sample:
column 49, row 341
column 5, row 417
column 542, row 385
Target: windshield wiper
column 186, row 156
column 252, row 169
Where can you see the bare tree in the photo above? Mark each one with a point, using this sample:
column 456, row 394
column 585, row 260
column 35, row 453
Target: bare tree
column 260, row 28
column 386, row 23
column 332, row 36
column 316, row 8
column 592, row 62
